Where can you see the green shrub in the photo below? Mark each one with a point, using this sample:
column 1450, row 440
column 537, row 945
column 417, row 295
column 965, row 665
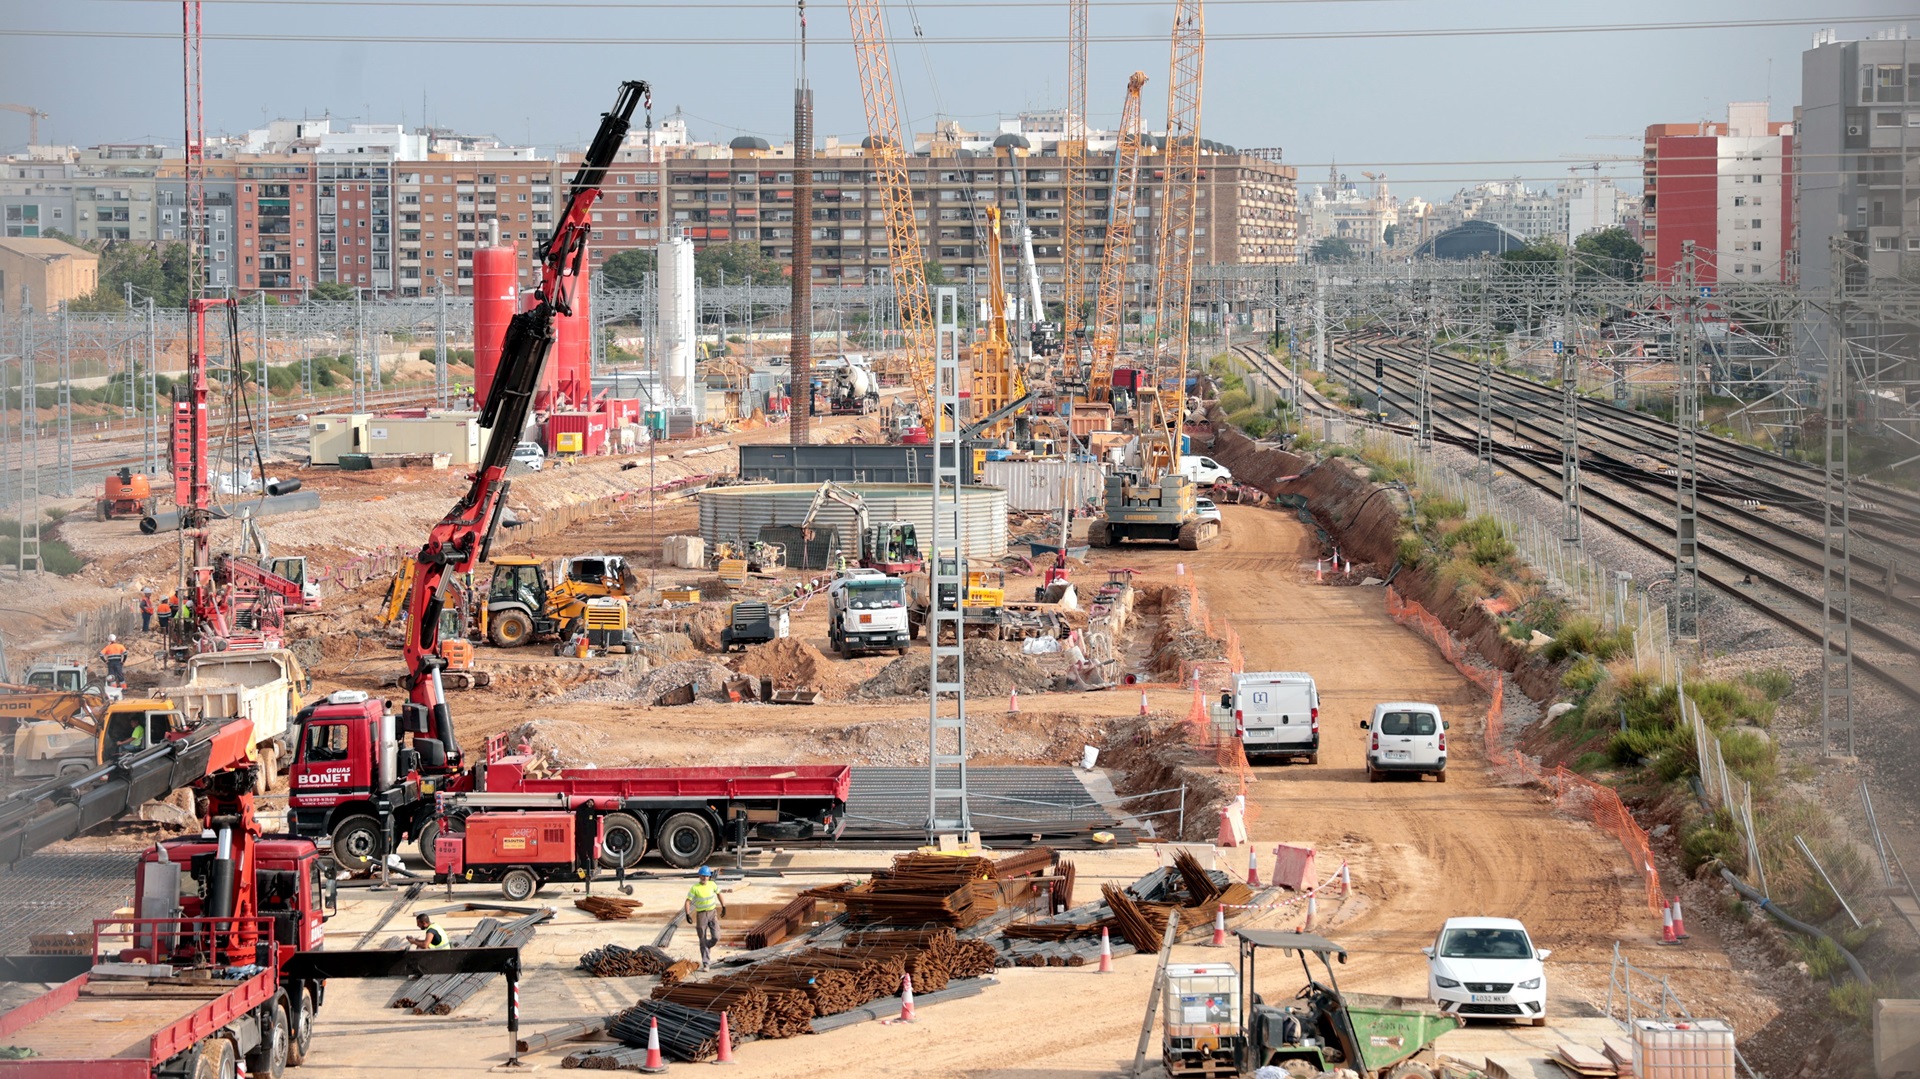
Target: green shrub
column 1582, row 635
column 1591, row 761
column 1710, row 841
column 57, row 556
column 1822, row 958
column 1232, row 401
column 1436, row 508
column 1749, row 755
column 1773, row 683
column 1409, row 549
column 1253, row 421
column 1585, row 674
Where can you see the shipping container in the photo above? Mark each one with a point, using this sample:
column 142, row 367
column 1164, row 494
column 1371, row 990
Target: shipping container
column 456, row 434
column 1045, row 485
column 582, row 433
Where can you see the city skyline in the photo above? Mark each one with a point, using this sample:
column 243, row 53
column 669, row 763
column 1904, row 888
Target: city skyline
column 300, row 59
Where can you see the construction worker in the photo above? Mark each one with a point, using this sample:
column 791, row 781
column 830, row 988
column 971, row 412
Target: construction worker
column 146, row 610
column 135, row 740
column 705, row 908
column 115, row 654
column 163, row 608
column 431, row 937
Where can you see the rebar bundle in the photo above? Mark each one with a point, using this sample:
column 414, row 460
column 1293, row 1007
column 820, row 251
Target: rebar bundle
column 440, row 994
column 608, row 908
column 617, row 961
column 782, row 923
column 686, row 1034
column 1199, row 885
column 745, row 1005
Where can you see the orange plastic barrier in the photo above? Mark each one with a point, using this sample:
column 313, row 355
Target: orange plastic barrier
column 1570, row 789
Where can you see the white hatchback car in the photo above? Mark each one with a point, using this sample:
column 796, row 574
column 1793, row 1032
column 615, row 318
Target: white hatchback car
column 1206, row 509
column 1406, row 736
column 530, row 455
column 1488, row 968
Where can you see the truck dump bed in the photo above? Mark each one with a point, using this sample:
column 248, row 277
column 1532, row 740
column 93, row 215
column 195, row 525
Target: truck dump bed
column 123, row 1028
column 817, row 782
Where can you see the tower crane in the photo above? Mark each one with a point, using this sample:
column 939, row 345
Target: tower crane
column 1104, row 338
column 1073, row 162
column 34, row 116
column 888, row 151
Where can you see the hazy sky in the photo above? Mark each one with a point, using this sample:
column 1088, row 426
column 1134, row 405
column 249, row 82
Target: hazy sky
column 1489, row 107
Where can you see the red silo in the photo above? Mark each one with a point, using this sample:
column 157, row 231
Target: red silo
column 496, row 298
column 568, row 367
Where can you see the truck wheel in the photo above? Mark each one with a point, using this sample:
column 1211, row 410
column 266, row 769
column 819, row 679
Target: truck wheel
column 1313, row 758
column 102, row 510
column 519, row 884
column 510, row 629
column 267, row 768
column 428, row 835
column 269, row 1058
column 214, row 1060
column 1440, row 776
column 685, row 840
column 623, row 840
column 300, row 1034
column 358, row 843
column 1099, row 534
column 1373, row 776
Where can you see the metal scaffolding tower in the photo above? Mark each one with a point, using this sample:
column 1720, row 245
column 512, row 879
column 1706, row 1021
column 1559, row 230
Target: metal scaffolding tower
column 1426, row 388
column 1483, row 429
column 29, row 457
column 1686, row 502
column 440, row 342
column 1569, row 349
column 1836, row 624
column 948, row 809
column 63, row 446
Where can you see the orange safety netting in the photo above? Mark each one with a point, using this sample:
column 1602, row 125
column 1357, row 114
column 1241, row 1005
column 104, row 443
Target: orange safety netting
column 1569, row 789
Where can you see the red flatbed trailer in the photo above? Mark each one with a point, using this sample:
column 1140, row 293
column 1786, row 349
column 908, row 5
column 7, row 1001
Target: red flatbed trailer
column 606, row 787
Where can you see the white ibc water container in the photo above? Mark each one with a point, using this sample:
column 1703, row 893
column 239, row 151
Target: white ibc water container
column 1696, row 1049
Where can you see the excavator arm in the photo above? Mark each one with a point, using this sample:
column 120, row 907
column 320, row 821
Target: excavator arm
column 464, row 536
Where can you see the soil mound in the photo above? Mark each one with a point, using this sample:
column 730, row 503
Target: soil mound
column 994, row 668
column 792, row 663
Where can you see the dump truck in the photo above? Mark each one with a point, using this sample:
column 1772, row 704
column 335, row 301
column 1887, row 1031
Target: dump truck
column 867, row 612
column 262, row 687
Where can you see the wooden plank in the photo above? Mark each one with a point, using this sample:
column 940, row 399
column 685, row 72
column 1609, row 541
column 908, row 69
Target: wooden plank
column 1581, row 1060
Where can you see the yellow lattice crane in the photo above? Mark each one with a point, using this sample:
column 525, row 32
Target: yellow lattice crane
column 1173, row 287
column 997, row 381
column 888, row 151
column 1103, row 337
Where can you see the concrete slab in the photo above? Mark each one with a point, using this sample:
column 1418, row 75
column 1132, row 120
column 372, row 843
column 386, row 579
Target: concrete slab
column 1896, row 1037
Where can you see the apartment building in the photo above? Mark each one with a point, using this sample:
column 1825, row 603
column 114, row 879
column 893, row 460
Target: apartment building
column 1728, row 188
column 445, row 209
column 1859, row 130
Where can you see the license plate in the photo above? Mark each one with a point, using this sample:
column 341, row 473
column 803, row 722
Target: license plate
column 1489, row 998
column 1396, row 754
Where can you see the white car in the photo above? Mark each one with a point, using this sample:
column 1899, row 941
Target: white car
column 1206, row 509
column 529, row 454
column 1488, row 968
column 1204, row 471
column 1406, row 736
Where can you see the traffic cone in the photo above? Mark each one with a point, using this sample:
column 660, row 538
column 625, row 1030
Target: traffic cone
column 654, row 1064
column 1319, row 570
column 1313, row 907
column 1346, row 879
column 1013, row 702
column 906, row 998
column 1106, row 952
column 726, row 1042
column 1666, row 926
column 1143, row 702
column 1219, row 927
column 1679, row 923
column 1253, row 866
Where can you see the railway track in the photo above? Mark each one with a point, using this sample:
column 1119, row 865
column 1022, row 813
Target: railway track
column 1722, row 569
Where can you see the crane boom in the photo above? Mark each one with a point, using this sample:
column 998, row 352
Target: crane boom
column 889, row 151
column 464, row 535
column 1173, row 291
column 996, row 377
column 34, row 116
column 1105, row 338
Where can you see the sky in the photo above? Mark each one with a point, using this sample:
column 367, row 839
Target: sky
column 1375, row 85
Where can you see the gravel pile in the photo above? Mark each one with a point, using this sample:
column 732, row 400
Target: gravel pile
column 994, row 668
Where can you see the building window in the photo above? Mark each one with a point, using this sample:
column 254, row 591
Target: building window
column 1886, row 119
column 1758, row 246
column 1756, row 222
column 1883, row 243
column 1739, row 200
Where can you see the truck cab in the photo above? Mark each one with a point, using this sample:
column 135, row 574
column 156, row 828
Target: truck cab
column 867, row 612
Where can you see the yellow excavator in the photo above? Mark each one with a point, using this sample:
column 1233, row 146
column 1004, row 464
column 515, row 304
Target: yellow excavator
column 588, row 598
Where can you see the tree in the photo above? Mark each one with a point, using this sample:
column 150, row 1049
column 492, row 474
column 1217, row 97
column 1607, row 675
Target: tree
column 628, row 269
column 156, row 270
column 330, row 290
column 935, row 273
column 1610, row 253
column 1392, row 233
column 741, row 262
column 1332, row 249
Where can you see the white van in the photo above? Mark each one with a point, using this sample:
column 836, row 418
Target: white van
column 1276, row 714
column 1406, row 736
column 1204, row 471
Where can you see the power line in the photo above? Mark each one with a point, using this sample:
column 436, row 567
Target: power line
column 1049, row 41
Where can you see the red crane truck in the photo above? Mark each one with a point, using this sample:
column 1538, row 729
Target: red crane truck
column 366, row 777
column 354, row 781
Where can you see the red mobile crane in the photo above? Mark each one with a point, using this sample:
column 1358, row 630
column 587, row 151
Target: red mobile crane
column 224, row 955
column 355, row 781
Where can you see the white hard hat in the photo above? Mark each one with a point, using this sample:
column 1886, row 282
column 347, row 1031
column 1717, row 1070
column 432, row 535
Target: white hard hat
column 111, row 638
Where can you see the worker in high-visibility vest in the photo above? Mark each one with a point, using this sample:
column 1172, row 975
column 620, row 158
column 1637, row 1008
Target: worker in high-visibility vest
column 163, row 610
column 146, row 610
column 431, row 937
column 704, row 909
column 115, row 654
